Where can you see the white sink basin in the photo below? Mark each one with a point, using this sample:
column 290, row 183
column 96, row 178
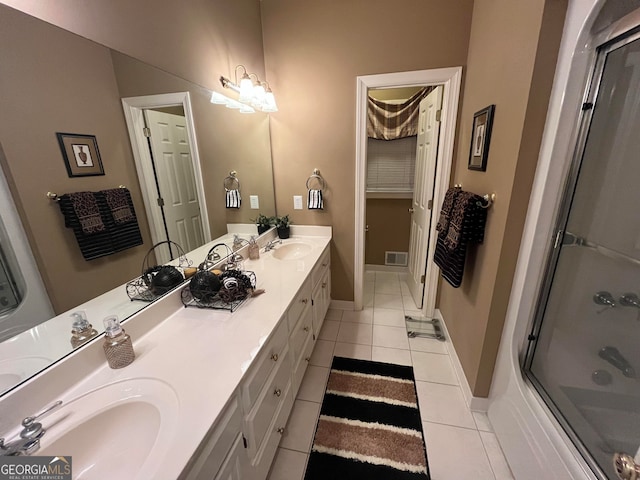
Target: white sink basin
column 292, row 251
column 15, row 370
column 122, row 430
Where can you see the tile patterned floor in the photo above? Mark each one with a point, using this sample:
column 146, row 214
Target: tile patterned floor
column 378, row 333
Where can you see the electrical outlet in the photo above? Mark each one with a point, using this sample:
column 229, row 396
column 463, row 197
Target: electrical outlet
column 297, row 202
column 254, row 201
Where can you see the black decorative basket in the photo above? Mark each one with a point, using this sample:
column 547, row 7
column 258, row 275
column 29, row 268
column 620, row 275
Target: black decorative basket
column 235, row 288
column 156, row 280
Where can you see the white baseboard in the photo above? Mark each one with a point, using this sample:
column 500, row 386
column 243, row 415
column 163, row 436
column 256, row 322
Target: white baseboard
column 385, row 268
column 342, row 305
column 476, row 404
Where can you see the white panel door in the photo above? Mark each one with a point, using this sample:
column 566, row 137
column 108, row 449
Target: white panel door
column 175, row 178
column 426, row 157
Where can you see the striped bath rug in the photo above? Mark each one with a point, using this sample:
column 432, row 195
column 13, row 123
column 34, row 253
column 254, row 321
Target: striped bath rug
column 369, row 426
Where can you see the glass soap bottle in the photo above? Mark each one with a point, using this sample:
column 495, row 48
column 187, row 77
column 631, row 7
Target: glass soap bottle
column 117, row 344
column 254, row 249
column 81, row 329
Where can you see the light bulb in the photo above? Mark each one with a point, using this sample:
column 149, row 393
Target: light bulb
column 269, row 104
column 246, row 89
column 258, row 96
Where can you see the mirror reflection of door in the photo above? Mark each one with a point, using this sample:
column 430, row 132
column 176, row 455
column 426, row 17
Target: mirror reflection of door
column 174, row 180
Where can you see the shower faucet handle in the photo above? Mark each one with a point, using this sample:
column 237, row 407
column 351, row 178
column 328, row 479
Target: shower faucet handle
column 630, row 300
column 604, row 298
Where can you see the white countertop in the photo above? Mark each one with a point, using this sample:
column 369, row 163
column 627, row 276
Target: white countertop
column 203, row 354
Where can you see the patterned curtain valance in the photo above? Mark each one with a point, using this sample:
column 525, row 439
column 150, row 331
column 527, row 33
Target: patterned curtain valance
column 390, row 121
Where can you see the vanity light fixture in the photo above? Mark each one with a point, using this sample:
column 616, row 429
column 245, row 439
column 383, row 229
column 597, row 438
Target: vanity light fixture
column 256, row 94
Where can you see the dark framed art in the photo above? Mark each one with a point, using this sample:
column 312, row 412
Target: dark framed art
column 480, row 137
column 80, row 153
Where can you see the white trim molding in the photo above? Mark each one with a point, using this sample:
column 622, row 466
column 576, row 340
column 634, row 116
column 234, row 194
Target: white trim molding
column 133, row 111
column 451, row 79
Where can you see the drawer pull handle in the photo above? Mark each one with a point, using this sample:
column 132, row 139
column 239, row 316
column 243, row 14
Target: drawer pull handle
column 274, row 357
column 280, row 430
column 305, row 300
column 307, row 359
column 306, row 329
column 324, row 284
column 324, row 264
column 277, row 392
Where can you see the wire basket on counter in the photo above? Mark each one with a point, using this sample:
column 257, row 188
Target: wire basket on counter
column 156, row 280
column 226, row 291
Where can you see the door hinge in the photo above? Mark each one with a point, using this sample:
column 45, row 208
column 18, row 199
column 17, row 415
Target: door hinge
column 421, row 278
column 587, row 106
column 429, row 204
column 558, row 240
column 438, row 115
column 161, row 202
column 146, row 132
column 531, row 338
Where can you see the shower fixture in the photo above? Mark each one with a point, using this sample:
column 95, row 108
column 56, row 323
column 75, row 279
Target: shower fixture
column 604, row 298
column 615, row 358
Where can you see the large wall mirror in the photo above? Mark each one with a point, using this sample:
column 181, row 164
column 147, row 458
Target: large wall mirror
column 55, row 81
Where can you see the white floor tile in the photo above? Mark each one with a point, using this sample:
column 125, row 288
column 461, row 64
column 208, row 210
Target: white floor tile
column 384, row 300
column 329, row 330
column 434, row 367
column 387, row 277
column 362, row 316
column 404, row 288
column 455, row 453
column 413, row 313
column 390, row 337
column 498, row 463
column 443, row 404
column 369, row 276
column 352, row 350
column 334, row 314
column 368, row 287
column 424, row 344
column 408, row 302
column 388, row 286
column 367, row 299
column 322, row 353
column 313, row 384
column 482, row 421
column 391, row 355
column 298, row 434
column 288, row 465
column 355, row 333
column 389, row 317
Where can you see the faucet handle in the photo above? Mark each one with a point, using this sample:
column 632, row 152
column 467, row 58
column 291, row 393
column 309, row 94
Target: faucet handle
column 33, row 429
column 604, row 298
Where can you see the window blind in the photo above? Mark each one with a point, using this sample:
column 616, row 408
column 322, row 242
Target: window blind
column 391, row 164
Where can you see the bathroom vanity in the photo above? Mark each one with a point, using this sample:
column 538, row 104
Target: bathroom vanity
column 210, row 391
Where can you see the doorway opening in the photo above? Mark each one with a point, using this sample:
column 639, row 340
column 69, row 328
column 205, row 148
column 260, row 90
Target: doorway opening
column 165, row 150
column 449, row 80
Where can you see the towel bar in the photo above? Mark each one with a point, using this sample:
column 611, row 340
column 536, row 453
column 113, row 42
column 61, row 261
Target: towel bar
column 56, row 197
column 489, row 198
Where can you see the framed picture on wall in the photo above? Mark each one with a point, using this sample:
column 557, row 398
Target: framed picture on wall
column 81, row 155
column 480, row 136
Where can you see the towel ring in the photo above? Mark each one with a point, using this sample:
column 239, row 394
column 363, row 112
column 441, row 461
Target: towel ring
column 316, row 176
column 232, row 181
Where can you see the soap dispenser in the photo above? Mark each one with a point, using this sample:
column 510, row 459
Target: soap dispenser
column 237, row 243
column 254, row 249
column 117, row 344
column 81, row 329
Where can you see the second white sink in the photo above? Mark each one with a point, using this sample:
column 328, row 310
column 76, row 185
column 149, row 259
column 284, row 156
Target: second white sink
column 292, row 251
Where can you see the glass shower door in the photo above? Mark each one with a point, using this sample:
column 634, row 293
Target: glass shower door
column 584, row 350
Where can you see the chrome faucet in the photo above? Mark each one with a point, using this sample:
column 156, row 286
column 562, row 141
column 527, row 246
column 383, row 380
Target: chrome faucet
column 271, row 245
column 29, row 440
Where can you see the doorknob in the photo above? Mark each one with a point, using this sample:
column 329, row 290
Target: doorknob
column 625, row 466
column 411, row 210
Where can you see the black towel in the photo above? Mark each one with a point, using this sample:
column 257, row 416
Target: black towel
column 314, row 200
column 113, row 238
column 233, row 199
column 470, row 229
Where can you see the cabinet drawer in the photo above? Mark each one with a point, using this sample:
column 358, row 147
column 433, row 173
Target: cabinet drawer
column 301, row 366
column 324, row 263
column 231, row 469
column 270, row 398
column 267, row 360
column 302, row 330
column 301, row 302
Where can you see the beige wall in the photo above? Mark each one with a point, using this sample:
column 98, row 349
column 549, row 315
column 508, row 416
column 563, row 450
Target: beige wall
column 85, row 100
column 389, row 225
column 313, row 52
column 511, row 63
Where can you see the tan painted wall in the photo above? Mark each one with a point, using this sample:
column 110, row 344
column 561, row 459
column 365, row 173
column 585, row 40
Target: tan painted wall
column 313, row 52
column 389, row 228
column 511, row 63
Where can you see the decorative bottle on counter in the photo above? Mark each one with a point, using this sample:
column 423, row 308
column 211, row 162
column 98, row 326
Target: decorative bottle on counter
column 117, row 344
column 81, row 330
column 254, row 249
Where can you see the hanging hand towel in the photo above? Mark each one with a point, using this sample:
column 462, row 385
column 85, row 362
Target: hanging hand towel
column 445, row 212
column 314, row 200
column 86, row 209
column 117, row 201
column 233, row 198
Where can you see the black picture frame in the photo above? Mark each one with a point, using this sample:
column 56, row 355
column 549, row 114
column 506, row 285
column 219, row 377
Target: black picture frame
column 81, row 154
column 480, row 138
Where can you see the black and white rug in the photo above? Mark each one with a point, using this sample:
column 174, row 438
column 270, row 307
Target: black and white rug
column 369, row 426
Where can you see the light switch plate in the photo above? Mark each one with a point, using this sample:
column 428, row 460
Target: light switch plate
column 254, row 201
column 297, row 202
